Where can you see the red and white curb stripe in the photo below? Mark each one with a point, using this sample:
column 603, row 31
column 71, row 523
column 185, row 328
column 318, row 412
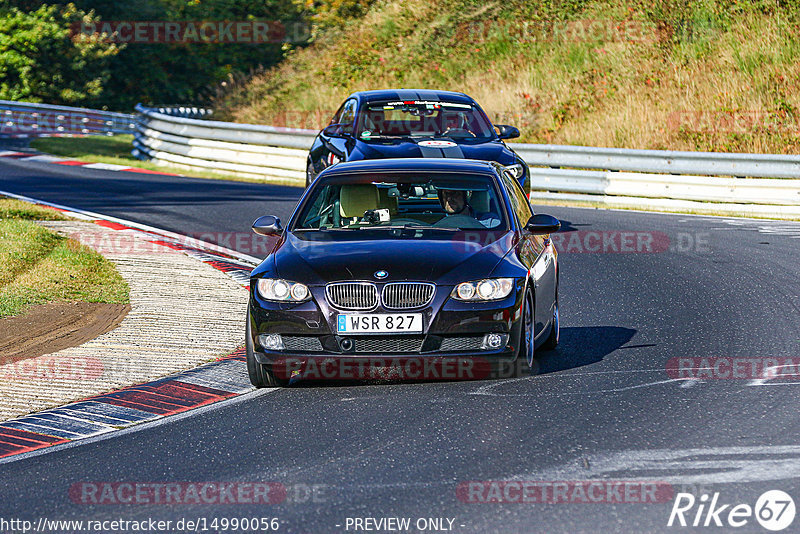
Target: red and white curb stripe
column 47, row 158
column 101, row 414
column 180, row 392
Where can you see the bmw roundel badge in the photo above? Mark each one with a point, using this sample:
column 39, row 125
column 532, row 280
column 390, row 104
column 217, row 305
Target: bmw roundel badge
column 380, row 275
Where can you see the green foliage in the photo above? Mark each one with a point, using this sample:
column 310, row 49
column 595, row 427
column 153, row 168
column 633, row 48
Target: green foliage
column 189, row 72
column 40, row 62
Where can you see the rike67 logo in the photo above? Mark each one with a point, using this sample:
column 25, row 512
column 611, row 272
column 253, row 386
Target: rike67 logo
column 774, row 510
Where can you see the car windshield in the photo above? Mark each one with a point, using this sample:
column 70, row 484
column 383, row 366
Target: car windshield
column 418, row 118
column 378, row 202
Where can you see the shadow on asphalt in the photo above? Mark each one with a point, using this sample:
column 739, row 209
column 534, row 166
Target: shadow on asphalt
column 578, row 346
column 582, row 345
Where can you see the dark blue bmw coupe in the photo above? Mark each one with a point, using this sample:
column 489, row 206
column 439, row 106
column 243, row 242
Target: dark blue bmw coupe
column 414, row 260
column 413, row 123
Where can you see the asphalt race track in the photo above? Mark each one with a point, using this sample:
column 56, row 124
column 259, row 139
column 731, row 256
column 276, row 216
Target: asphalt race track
column 602, row 406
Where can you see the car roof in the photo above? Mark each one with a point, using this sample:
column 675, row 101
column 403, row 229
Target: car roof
column 471, row 166
column 412, row 94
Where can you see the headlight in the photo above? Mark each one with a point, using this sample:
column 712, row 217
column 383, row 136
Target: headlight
column 516, row 170
column 481, row 290
column 282, row 290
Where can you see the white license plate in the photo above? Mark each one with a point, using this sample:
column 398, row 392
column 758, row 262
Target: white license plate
column 379, row 323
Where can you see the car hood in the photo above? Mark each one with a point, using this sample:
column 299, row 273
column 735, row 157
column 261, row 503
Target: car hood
column 316, row 258
column 405, row 148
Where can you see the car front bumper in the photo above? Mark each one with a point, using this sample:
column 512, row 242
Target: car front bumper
column 454, row 336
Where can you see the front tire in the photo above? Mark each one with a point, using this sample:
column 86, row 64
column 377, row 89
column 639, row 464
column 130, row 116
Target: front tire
column 552, row 339
column 260, row 375
column 523, row 363
column 526, row 344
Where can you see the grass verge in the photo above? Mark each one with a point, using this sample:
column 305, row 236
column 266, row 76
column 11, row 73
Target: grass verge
column 41, row 266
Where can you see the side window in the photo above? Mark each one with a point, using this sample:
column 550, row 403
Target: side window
column 335, row 118
column 519, row 202
column 348, row 113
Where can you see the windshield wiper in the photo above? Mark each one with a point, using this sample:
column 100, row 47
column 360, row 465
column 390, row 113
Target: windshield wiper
column 323, row 229
column 422, row 227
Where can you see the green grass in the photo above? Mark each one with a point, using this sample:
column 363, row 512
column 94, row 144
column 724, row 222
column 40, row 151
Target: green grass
column 40, row 266
column 17, row 209
column 117, row 150
column 89, row 148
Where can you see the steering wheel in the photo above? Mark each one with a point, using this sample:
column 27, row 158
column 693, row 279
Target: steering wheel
column 460, row 221
column 449, row 131
column 412, row 222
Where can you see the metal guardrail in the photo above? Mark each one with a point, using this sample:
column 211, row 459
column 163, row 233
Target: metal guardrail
column 662, row 161
column 177, row 110
column 27, row 119
column 755, row 184
column 262, row 152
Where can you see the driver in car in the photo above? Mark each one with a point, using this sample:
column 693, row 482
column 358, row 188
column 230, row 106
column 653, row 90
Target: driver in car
column 454, row 202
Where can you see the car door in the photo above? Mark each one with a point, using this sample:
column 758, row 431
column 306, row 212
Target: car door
column 533, row 253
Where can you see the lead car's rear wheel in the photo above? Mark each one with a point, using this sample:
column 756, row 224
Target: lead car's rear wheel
column 260, row 375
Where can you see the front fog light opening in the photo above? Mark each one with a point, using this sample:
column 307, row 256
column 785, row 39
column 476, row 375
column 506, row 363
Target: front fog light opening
column 271, row 341
column 494, row 341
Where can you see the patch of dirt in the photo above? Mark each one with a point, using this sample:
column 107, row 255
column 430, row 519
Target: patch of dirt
column 56, row 326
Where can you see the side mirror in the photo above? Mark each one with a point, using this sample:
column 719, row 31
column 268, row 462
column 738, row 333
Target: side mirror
column 338, row 130
column 267, row 225
column 543, row 224
column 504, row 131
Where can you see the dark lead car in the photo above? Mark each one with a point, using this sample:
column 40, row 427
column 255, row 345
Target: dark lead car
column 423, row 258
column 413, row 123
